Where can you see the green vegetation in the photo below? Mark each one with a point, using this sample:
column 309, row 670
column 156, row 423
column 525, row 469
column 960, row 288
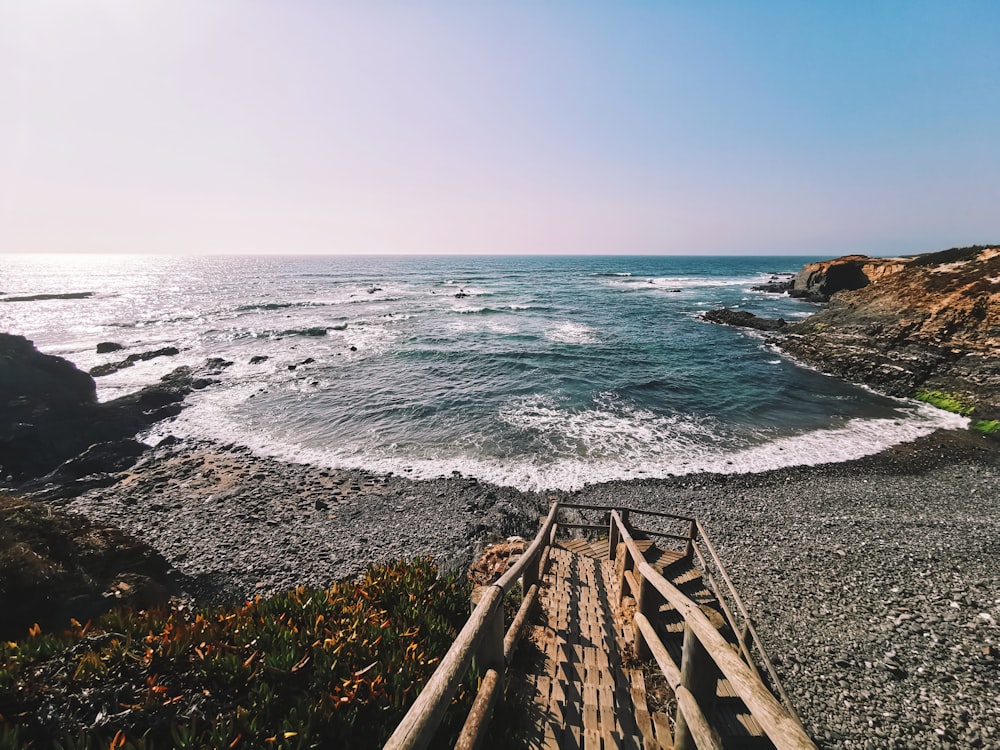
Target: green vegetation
column 987, row 426
column 310, row 668
column 947, row 401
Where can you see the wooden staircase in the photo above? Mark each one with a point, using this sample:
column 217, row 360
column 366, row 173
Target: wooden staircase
column 632, row 645
column 589, row 689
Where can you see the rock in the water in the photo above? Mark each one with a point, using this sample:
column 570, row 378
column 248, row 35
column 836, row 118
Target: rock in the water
column 108, row 346
column 112, row 367
column 257, row 359
column 777, row 284
column 743, row 319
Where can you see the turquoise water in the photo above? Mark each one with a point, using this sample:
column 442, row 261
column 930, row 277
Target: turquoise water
column 540, row 372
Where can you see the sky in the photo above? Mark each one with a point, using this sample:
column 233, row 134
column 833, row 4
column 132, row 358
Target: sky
column 672, row 127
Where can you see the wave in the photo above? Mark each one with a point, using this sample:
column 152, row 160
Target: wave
column 612, row 440
column 572, row 333
column 506, row 310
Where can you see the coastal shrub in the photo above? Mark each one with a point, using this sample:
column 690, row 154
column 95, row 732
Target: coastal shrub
column 947, row 401
column 310, row 668
column 987, row 426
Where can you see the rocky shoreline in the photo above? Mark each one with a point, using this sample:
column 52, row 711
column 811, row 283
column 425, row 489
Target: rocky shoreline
column 874, row 582
column 235, row 524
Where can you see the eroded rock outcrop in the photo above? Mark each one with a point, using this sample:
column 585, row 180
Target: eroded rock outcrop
column 820, row 281
column 933, row 324
column 49, row 411
column 56, row 566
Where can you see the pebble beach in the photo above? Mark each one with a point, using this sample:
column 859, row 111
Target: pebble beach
column 874, row 583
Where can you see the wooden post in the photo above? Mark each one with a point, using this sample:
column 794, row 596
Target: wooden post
column 692, row 535
column 699, row 676
column 532, row 572
column 647, row 604
column 613, row 536
column 489, row 655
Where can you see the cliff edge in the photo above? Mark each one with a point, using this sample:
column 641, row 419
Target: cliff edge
column 927, row 323
column 818, row 282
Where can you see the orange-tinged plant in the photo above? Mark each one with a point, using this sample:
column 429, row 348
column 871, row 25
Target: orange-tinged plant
column 303, row 669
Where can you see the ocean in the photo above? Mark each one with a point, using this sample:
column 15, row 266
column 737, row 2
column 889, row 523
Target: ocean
column 534, row 372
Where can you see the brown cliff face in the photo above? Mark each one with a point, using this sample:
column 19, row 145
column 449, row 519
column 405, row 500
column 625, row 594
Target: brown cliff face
column 820, row 281
column 933, row 323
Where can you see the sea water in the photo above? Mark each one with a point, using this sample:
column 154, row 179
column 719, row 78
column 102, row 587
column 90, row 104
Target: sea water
column 536, row 372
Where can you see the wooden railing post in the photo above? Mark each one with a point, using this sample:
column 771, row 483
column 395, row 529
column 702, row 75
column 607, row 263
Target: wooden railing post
column 532, row 572
column 692, row 535
column 489, row 655
column 699, row 676
column 648, row 604
column 613, row 536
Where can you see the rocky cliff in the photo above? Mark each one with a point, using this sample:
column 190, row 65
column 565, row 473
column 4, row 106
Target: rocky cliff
column 820, row 281
column 931, row 323
column 54, row 566
column 49, row 412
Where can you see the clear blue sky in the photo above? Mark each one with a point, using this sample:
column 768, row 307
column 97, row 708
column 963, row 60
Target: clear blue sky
column 501, row 127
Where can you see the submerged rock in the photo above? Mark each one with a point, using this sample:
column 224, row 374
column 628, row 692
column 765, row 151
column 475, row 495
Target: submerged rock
column 131, row 359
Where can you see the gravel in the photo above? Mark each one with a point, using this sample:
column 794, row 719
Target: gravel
column 875, row 584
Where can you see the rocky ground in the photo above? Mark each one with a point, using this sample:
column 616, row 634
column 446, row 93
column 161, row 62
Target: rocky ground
column 236, row 525
column 875, row 583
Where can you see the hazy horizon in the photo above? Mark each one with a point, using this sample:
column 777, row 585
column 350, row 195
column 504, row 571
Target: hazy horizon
column 682, row 128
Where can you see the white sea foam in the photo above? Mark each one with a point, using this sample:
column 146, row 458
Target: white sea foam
column 613, row 443
column 572, row 333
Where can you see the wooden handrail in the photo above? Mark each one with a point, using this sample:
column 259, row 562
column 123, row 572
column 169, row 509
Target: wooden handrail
column 747, row 621
column 608, row 508
column 418, row 726
column 782, row 728
column 531, row 554
column 513, row 636
column 474, row 732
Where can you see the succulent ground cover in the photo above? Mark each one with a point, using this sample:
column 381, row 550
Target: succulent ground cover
column 310, row 668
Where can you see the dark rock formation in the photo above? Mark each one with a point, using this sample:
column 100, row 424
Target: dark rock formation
column 108, row 346
column 820, row 281
column 40, row 297
column 743, row 319
column 131, row 359
column 113, row 456
column 49, row 411
column 777, row 284
column 55, row 566
column 934, row 325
